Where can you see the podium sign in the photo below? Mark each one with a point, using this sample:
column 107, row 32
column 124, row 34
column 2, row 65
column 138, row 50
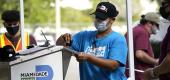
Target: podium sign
column 46, row 64
column 39, row 63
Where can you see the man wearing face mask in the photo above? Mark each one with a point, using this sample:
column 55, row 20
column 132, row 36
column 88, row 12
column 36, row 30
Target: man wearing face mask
column 162, row 71
column 11, row 21
column 102, row 52
column 143, row 53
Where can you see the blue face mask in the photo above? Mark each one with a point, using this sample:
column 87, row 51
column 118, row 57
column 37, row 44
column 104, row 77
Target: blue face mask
column 102, row 26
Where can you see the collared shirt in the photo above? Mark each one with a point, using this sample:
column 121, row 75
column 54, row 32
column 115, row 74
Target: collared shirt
column 141, row 42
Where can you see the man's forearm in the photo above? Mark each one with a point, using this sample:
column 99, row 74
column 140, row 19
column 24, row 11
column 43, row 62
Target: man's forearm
column 144, row 57
column 60, row 41
column 163, row 68
column 150, row 60
column 104, row 63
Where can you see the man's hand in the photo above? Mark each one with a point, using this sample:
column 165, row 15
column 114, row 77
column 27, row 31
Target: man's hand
column 147, row 75
column 82, row 56
column 64, row 40
column 67, row 38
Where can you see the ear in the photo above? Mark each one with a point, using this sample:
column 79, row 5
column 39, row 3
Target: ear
column 113, row 18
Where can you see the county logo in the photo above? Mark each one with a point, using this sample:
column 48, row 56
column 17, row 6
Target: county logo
column 42, row 72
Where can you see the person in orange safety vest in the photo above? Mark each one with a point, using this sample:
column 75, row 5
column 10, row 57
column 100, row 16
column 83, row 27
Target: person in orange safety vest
column 11, row 21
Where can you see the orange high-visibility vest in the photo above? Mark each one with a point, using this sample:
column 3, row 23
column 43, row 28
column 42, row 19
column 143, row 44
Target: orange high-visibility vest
column 4, row 41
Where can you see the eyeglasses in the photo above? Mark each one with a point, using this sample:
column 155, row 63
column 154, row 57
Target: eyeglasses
column 6, row 24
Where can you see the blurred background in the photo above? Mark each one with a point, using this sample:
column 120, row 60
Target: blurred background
column 75, row 16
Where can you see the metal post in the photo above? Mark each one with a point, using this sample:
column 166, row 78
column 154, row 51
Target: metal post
column 130, row 39
column 58, row 17
column 22, row 23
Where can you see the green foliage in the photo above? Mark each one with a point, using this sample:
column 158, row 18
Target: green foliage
column 41, row 11
column 36, row 11
column 8, row 4
column 75, row 19
column 72, row 15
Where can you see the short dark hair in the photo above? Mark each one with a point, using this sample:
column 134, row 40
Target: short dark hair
column 143, row 20
column 10, row 15
column 165, row 1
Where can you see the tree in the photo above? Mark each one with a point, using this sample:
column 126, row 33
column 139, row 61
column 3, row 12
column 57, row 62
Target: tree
column 41, row 11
